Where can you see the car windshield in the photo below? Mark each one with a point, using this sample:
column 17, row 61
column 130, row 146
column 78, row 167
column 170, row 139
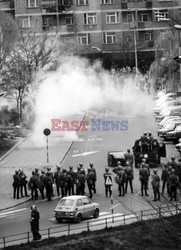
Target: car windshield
column 66, row 202
column 170, row 126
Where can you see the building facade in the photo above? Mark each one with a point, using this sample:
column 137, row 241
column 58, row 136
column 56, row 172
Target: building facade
column 122, row 32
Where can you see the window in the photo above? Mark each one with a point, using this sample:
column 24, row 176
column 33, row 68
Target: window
column 84, row 39
column 49, row 21
column 112, row 17
column 85, row 201
column 81, row 2
column 143, row 17
column 24, row 22
column 31, row 3
column 161, row 15
column 129, row 38
column 79, row 203
column 107, row 1
column 90, row 18
column 109, row 37
column 66, row 2
column 69, row 20
column 148, row 37
column 130, row 18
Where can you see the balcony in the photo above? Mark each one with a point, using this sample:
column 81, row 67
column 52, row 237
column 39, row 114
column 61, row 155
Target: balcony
column 51, row 5
column 60, row 29
column 7, row 5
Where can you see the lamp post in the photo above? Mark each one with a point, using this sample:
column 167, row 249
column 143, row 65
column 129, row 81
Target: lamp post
column 135, row 11
column 178, row 58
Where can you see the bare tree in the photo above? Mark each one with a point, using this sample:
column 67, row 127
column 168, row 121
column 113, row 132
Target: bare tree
column 31, row 54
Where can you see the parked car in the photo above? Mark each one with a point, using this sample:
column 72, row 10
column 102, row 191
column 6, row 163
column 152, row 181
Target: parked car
column 178, row 146
column 166, row 120
column 169, row 127
column 174, row 135
column 76, row 208
column 114, row 156
column 166, row 96
column 176, row 111
column 171, row 103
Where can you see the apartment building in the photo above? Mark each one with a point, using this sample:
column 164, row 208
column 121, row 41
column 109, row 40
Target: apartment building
column 7, row 6
column 116, row 30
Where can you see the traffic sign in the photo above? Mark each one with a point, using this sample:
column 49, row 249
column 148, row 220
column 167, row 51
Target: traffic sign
column 46, row 131
column 109, row 180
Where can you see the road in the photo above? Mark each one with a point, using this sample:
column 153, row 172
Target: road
column 90, row 147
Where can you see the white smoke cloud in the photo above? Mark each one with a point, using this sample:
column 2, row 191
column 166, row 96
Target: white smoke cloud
column 78, row 88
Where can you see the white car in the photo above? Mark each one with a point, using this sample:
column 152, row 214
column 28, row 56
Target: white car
column 76, row 208
column 168, row 121
column 167, row 118
column 168, row 104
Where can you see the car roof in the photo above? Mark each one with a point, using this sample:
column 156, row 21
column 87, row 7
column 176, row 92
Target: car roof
column 74, row 197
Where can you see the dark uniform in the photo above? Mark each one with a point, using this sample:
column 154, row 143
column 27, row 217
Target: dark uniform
column 174, row 184
column 56, row 179
column 108, row 182
column 164, row 178
column 121, row 181
column 33, row 186
column 71, row 180
column 24, row 182
column 129, row 157
column 48, row 185
column 42, row 183
column 90, row 181
column 156, row 185
column 65, row 182
column 61, row 184
column 16, row 185
column 144, row 177
column 95, row 178
column 80, row 182
column 34, row 222
column 129, row 178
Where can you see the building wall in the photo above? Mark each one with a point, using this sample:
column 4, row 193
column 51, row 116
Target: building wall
column 44, row 18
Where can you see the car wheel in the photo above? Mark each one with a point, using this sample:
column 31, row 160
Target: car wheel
column 96, row 213
column 59, row 220
column 78, row 218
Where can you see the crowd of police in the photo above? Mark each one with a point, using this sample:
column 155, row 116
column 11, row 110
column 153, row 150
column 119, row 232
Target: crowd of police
column 71, row 182
column 67, row 182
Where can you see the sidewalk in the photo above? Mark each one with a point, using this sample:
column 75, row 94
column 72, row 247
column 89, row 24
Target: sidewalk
column 27, row 155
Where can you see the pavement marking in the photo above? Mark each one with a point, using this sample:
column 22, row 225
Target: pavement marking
column 85, row 153
column 4, row 214
column 102, row 215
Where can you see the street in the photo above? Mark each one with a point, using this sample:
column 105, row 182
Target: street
column 91, row 147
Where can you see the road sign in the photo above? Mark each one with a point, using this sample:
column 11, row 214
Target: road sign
column 46, row 131
column 108, row 180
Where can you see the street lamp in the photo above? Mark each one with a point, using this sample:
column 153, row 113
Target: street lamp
column 135, row 39
column 178, row 58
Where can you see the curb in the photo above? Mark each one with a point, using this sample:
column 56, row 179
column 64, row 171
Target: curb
column 13, row 148
column 3, row 209
column 21, row 141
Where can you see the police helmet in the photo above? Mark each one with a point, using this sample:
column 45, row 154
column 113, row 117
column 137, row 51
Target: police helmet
column 34, row 207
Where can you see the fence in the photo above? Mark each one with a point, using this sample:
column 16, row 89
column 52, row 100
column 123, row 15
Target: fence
column 93, row 224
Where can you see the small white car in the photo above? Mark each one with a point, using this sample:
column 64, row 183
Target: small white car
column 76, row 208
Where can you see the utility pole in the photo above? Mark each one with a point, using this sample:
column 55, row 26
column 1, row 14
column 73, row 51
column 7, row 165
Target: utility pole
column 178, row 58
column 57, row 20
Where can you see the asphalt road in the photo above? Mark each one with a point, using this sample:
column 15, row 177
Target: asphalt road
column 90, row 147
